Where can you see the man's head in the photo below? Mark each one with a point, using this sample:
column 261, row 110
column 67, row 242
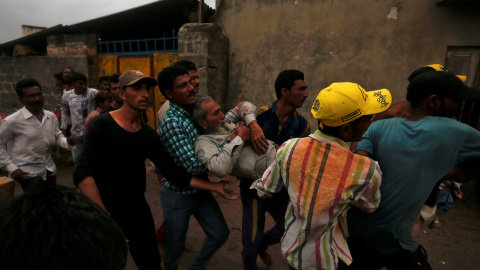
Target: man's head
column 30, row 94
column 68, row 73
column 345, row 110
column 103, row 83
column 58, row 79
column 432, row 67
column 79, row 81
column 192, row 73
column 114, row 87
column 439, row 92
column 208, row 116
column 58, row 228
column 103, row 99
column 290, row 87
column 135, row 88
column 174, row 83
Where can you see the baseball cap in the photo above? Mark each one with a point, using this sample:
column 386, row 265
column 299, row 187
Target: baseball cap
column 441, row 83
column 433, row 67
column 343, row 102
column 132, row 76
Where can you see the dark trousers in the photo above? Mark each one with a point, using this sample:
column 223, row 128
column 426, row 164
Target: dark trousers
column 366, row 258
column 38, row 182
column 254, row 239
column 137, row 224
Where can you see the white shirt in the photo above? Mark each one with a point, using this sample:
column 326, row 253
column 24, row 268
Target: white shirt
column 77, row 108
column 32, row 142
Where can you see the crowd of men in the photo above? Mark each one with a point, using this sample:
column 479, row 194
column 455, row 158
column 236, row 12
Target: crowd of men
column 311, row 184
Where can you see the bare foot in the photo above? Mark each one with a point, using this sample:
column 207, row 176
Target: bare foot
column 188, row 248
column 266, row 259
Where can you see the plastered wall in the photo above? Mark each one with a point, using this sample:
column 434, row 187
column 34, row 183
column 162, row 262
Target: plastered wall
column 374, row 43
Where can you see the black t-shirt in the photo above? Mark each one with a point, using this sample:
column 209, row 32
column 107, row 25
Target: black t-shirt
column 115, row 158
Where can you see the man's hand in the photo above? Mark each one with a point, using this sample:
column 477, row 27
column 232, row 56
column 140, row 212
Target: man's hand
column 18, row 174
column 259, row 142
column 224, row 192
column 243, row 132
column 72, row 140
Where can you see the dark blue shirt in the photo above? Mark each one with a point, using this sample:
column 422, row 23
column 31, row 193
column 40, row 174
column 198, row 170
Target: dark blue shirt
column 295, row 127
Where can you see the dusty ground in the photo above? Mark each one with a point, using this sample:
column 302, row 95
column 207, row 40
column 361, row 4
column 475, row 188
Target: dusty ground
column 455, row 244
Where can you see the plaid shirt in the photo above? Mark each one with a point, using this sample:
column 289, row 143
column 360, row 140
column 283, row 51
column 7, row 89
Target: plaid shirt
column 323, row 179
column 178, row 135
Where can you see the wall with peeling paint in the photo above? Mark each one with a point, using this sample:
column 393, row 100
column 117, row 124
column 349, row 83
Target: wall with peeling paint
column 374, row 43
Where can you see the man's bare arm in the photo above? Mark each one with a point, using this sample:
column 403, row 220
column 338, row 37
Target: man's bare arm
column 218, row 187
column 88, row 186
column 362, row 153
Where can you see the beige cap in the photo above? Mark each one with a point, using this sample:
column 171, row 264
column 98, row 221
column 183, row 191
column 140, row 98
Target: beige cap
column 132, row 76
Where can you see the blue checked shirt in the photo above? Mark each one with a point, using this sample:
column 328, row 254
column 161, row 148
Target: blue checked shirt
column 178, row 135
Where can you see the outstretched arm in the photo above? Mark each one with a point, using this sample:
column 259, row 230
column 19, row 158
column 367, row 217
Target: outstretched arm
column 218, row 187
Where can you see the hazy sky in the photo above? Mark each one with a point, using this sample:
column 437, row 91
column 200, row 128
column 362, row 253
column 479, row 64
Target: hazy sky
column 48, row 13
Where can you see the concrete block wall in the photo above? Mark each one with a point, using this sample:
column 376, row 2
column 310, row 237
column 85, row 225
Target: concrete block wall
column 206, row 46
column 76, row 51
column 42, row 68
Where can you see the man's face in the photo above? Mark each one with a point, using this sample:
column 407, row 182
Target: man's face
column 80, row 86
column 361, row 127
column 57, row 82
column 114, row 90
column 182, row 93
column 106, row 103
column 297, row 95
column 68, row 75
column 32, row 99
column 136, row 96
column 194, row 81
column 214, row 117
column 104, row 86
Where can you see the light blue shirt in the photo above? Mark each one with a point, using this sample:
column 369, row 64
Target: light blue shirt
column 414, row 156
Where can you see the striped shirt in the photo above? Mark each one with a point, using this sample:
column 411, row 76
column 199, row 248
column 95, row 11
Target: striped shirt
column 178, row 135
column 323, row 179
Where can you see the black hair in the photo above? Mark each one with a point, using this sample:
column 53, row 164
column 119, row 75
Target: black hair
column 168, row 75
column 58, row 228
column 101, row 96
column 26, row 83
column 286, row 79
column 114, row 78
column 73, row 70
column 59, row 76
column 189, row 65
column 104, row 78
column 420, row 71
column 333, row 131
column 79, row 77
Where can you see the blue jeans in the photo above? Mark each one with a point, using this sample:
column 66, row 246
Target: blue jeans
column 38, row 182
column 177, row 209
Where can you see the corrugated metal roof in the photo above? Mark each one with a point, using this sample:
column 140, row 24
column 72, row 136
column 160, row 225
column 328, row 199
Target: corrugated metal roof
column 153, row 20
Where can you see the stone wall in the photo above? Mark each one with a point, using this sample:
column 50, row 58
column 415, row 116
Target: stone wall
column 42, row 68
column 374, row 43
column 206, row 46
column 76, row 51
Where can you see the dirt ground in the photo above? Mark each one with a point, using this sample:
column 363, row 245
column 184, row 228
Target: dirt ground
column 455, row 244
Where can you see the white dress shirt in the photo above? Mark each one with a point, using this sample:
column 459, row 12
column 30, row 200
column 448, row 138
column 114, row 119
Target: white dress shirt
column 32, row 142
